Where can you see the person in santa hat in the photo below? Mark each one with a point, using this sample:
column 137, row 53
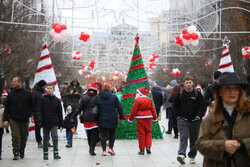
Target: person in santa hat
column 143, row 110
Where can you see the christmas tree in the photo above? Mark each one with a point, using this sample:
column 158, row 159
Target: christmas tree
column 136, row 78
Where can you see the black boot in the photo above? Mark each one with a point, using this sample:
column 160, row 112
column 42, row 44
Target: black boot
column 141, row 152
column 45, row 155
column 92, row 152
column 148, row 150
column 22, row 154
column 16, row 156
column 56, row 155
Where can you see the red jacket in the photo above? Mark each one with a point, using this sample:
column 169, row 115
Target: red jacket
column 143, row 107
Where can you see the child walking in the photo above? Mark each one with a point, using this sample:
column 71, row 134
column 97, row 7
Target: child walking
column 143, row 110
column 49, row 115
column 1, row 127
column 69, row 126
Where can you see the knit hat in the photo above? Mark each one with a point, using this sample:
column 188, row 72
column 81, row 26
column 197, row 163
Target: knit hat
column 144, row 91
column 93, row 86
column 41, row 83
column 217, row 74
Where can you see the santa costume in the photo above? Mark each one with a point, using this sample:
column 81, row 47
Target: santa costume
column 143, row 110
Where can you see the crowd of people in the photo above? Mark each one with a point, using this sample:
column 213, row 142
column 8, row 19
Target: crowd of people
column 214, row 121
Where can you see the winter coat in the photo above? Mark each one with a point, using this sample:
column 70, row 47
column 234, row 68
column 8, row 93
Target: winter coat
column 37, row 93
column 1, row 115
column 73, row 98
column 209, row 93
column 189, row 105
column 108, row 106
column 211, row 141
column 85, row 106
column 157, row 97
column 68, row 124
column 143, row 107
column 19, row 105
column 64, row 95
column 49, row 111
column 119, row 96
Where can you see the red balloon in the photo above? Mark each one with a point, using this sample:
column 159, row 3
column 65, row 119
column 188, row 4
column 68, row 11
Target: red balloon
column 184, row 31
column 63, row 26
column 78, row 52
column 195, row 36
column 187, row 36
column 58, row 29
column 55, row 24
column 181, row 44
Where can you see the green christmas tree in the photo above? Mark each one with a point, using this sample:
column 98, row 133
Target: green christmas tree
column 136, row 78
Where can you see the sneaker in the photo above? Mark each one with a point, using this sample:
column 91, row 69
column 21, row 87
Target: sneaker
column 92, row 152
column 56, row 155
column 148, row 150
column 191, row 160
column 16, row 157
column 40, row 145
column 141, row 152
column 45, row 156
column 111, row 151
column 68, row 146
column 104, row 153
column 181, row 159
column 22, row 154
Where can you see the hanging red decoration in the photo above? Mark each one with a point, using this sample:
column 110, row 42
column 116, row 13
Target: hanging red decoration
column 84, row 37
column 246, row 52
column 92, row 64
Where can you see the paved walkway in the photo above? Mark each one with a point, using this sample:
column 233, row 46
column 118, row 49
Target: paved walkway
column 164, row 154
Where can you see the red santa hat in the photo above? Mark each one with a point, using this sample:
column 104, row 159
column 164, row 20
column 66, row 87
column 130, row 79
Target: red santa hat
column 143, row 90
column 93, row 86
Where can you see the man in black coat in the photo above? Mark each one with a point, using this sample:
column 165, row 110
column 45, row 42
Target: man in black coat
column 37, row 92
column 18, row 109
column 158, row 98
column 189, row 106
column 209, row 93
column 108, row 106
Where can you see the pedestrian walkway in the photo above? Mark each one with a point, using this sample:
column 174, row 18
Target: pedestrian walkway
column 164, row 153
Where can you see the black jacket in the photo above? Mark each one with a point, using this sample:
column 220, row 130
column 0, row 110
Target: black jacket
column 49, row 111
column 108, row 105
column 68, row 124
column 209, row 93
column 158, row 98
column 73, row 98
column 85, row 106
column 19, row 105
column 189, row 105
column 37, row 93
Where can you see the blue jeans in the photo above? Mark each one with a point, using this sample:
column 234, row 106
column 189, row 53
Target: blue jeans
column 69, row 136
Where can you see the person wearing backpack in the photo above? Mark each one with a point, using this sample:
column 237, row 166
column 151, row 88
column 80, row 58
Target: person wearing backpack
column 189, row 106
